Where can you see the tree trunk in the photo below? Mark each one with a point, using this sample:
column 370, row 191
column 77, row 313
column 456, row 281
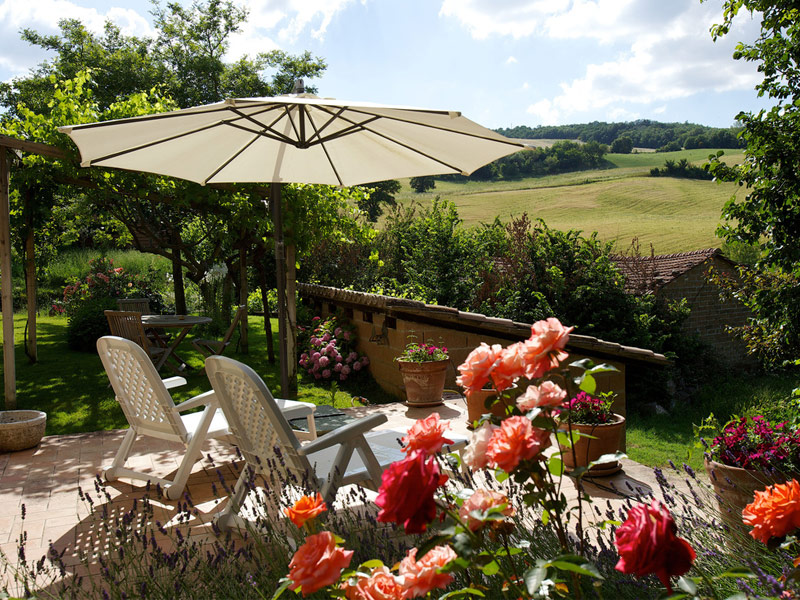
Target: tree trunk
column 243, row 297
column 177, row 282
column 30, row 280
column 6, row 294
column 291, row 314
column 267, row 316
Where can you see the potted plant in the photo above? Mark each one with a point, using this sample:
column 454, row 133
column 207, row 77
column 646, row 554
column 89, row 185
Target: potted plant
column 423, row 367
column 748, row 454
column 599, row 432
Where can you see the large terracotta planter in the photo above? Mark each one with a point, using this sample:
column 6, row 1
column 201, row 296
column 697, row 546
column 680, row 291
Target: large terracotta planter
column 606, row 440
column 735, row 488
column 424, row 381
column 476, row 405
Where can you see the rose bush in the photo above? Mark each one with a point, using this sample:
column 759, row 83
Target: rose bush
column 328, row 350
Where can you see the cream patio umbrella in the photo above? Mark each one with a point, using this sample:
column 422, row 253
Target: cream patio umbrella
column 297, row 138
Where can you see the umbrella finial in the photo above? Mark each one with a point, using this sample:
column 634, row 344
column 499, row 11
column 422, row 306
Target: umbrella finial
column 299, row 87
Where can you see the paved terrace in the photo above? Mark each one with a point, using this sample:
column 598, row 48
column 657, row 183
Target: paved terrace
column 46, row 480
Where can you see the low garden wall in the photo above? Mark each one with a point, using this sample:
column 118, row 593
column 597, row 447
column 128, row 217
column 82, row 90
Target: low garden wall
column 386, row 324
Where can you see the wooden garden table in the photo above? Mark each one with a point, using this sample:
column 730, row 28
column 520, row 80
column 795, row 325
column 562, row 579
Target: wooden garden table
column 182, row 322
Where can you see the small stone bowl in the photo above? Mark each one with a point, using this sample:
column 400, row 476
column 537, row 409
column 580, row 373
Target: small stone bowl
column 21, row 429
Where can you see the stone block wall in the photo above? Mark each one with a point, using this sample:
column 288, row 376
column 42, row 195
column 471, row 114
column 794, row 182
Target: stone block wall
column 385, row 325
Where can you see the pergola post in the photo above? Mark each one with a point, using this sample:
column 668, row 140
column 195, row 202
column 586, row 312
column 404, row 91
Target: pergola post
column 6, row 296
column 280, row 265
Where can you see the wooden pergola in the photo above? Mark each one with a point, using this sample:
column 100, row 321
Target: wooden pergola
column 8, row 145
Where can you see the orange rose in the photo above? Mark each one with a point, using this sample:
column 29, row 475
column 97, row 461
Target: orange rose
column 318, row 563
column 380, row 585
column 421, row 576
column 544, row 349
column 475, row 454
column 548, row 394
column 483, row 500
column 477, row 368
column 515, row 440
column 426, row 434
column 510, row 367
column 304, row 509
column 775, row 511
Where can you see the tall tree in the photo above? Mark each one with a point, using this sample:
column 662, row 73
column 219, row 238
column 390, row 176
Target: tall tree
column 768, row 214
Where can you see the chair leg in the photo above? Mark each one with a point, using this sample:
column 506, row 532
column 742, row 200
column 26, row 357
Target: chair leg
column 124, row 451
column 193, row 452
column 226, row 516
column 334, row 479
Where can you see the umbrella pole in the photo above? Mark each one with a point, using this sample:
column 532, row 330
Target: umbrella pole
column 280, row 265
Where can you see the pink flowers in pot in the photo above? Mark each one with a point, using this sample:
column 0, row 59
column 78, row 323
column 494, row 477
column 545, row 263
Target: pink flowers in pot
column 329, row 351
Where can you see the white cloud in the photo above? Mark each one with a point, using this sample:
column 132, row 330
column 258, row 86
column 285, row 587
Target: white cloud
column 659, row 109
column 511, row 60
column 649, row 50
column 43, row 16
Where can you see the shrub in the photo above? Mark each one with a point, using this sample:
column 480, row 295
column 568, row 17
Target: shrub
column 329, row 350
column 87, row 323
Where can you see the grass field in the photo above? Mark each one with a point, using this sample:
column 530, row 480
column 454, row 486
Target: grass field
column 620, row 202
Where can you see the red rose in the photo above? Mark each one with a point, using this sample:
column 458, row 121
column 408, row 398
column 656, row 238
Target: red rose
column 647, row 544
column 406, row 492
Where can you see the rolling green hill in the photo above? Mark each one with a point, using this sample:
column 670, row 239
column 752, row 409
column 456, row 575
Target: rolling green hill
column 620, row 202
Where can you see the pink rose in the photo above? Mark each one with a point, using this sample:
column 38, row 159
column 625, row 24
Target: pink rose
column 326, row 373
column 380, row 585
column 345, row 370
column 509, row 367
column 475, row 453
column 357, row 366
column 323, row 361
column 427, row 435
column 422, row 576
column 338, row 367
column 406, row 492
column 544, row 349
column 477, row 368
column 483, row 500
column 364, row 361
column 515, row 440
column 547, row 394
column 318, row 563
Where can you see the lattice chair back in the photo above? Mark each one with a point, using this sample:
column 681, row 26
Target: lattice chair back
column 140, row 305
column 140, row 391
column 255, row 421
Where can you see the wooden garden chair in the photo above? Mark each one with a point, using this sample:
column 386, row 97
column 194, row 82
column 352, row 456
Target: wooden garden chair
column 217, row 347
column 140, row 305
column 128, row 325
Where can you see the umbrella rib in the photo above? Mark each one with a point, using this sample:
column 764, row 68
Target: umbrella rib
column 266, row 132
column 231, row 159
column 347, row 131
column 156, row 117
column 334, row 116
column 154, row 143
column 325, row 150
column 438, row 127
column 262, row 126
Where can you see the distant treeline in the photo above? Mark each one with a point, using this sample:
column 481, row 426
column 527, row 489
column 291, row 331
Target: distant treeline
column 683, row 168
column 643, row 133
column 561, row 157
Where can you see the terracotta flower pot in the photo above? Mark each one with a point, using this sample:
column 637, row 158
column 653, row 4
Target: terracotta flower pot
column 476, row 405
column 586, row 450
column 735, row 488
column 424, row 381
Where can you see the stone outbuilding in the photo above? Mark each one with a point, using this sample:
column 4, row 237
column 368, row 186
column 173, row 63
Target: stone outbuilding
column 685, row 275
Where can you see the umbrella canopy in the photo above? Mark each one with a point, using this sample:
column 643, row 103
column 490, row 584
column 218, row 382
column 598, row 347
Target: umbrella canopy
column 292, row 139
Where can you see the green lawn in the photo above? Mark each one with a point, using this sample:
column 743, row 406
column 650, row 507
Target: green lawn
column 72, row 388
column 620, row 203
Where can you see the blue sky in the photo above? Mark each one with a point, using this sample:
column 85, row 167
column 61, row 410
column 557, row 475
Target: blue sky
column 500, row 62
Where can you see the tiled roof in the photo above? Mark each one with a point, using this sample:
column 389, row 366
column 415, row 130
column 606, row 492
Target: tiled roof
column 649, row 273
column 501, row 327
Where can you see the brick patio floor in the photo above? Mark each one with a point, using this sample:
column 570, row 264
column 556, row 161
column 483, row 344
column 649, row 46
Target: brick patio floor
column 46, row 479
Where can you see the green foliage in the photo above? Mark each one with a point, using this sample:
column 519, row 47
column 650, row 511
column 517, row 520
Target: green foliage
column 644, row 133
column 87, row 323
column 768, row 214
column 673, row 146
column 682, row 168
column 622, row 145
column 422, row 184
column 381, row 192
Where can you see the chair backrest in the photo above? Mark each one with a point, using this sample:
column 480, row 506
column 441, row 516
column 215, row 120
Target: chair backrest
column 229, row 334
column 140, row 305
column 128, row 325
column 140, row 391
column 254, row 418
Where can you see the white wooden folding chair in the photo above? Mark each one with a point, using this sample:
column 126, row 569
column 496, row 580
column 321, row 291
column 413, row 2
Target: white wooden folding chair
column 351, row 454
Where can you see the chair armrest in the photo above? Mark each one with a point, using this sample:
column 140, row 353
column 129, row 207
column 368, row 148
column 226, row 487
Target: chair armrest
column 203, row 399
column 173, row 382
column 343, row 434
